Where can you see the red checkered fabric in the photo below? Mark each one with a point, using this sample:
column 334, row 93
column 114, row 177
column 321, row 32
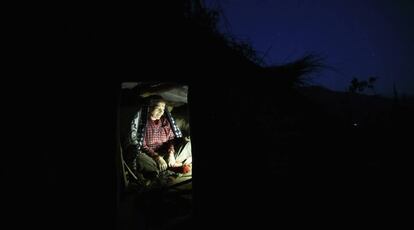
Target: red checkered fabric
column 157, row 135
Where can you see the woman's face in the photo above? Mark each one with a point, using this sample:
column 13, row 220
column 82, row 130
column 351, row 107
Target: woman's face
column 157, row 111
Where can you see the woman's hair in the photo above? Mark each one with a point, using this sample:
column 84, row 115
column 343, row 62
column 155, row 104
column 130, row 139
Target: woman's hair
column 155, row 99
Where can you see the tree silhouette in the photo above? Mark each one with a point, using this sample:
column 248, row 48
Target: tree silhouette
column 361, row 85
column 371, row 82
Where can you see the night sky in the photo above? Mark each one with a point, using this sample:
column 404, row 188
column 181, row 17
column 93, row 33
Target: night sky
column 357, row 38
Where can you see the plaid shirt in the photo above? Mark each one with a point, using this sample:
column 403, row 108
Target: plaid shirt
column 158, row 134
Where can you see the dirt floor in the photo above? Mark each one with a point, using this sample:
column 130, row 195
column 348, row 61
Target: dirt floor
column 158, row 207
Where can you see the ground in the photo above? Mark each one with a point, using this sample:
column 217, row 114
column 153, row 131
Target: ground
column 158, row 207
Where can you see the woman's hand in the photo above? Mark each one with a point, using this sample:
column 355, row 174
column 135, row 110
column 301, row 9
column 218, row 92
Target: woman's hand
column 162, row 165
column 171, row 160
